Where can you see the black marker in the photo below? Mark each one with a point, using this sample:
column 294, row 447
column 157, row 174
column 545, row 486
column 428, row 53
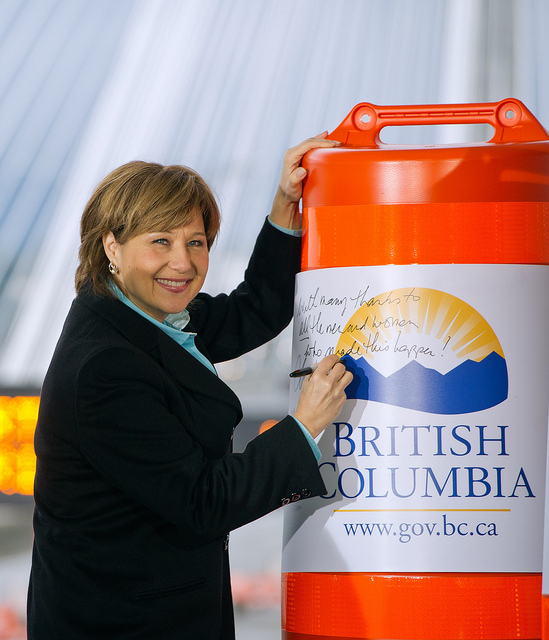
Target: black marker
column 299, row 373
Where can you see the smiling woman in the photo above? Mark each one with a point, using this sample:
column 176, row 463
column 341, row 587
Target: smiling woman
column 136, row 484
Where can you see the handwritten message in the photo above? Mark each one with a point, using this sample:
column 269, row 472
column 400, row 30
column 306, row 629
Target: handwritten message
column 364, row 323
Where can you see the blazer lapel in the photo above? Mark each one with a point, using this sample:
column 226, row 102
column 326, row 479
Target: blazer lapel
column 179, row 364
column 191, row 374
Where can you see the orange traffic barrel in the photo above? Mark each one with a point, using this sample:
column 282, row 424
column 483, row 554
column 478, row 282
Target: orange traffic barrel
column 425, row 268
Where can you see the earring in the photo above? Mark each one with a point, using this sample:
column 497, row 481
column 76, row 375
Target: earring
column 113, row 268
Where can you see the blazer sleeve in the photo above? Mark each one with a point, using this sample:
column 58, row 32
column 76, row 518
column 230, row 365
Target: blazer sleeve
column 260, row 307
column 130, row 436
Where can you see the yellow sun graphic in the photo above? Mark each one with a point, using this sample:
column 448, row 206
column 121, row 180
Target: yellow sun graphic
column 433, row 327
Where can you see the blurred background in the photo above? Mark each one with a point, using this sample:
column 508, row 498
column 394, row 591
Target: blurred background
column 226, row 88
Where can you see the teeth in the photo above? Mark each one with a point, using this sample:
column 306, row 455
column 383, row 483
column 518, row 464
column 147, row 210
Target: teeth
column 171, row 283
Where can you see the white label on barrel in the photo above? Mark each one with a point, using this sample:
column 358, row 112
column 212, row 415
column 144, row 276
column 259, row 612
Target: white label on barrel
column 437, row 461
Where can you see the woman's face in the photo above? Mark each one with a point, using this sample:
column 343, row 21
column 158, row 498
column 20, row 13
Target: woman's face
column 161, row 271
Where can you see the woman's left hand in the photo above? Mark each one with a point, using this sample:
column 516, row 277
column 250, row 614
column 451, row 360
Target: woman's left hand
column 285, row 210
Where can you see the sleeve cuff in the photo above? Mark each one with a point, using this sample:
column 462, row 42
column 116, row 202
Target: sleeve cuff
column 291, row 232
column 310, row 440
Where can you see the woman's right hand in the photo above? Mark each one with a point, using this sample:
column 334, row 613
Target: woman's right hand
column 322, row 395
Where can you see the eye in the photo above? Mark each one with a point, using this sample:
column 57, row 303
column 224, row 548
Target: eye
column 197, row 243
column 163, row 241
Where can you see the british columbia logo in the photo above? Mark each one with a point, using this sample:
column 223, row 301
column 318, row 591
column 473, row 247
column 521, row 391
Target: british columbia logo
column 423, row 349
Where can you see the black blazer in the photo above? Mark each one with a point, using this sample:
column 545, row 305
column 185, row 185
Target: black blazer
column 136, row 488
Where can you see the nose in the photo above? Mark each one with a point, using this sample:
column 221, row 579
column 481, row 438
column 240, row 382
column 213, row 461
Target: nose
column 180, row 259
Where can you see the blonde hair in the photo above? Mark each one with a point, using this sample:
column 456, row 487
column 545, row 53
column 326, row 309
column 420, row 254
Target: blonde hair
column 136, row 198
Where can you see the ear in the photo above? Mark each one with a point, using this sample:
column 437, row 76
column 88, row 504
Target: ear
column 110, row 245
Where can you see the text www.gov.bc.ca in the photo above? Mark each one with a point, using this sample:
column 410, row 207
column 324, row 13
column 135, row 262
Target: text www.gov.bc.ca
column 405, row 531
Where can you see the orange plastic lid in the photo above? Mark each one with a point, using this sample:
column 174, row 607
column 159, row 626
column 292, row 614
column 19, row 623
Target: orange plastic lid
column 370, row 203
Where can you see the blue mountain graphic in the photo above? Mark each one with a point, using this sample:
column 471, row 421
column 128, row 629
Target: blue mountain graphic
column 472, row 386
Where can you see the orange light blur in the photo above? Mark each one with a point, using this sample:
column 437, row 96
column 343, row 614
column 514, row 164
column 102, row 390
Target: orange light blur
column 265, row 426
column 17, row 460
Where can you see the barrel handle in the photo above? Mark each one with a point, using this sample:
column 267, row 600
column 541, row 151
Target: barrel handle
column 511, row 120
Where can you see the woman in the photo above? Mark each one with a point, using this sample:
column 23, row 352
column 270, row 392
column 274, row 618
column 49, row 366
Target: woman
column 136, row 486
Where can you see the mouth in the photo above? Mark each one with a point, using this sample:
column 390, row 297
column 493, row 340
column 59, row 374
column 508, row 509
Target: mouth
column 175, row 286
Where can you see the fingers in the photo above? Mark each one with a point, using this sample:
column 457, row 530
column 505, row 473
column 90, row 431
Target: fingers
column 292, row 173
column 345, row 379
column 330, row 376
column 295, row 154
column 285, row 209
column 329, row 364
column 296, row 177
column 323, row 394
column 338, row 377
